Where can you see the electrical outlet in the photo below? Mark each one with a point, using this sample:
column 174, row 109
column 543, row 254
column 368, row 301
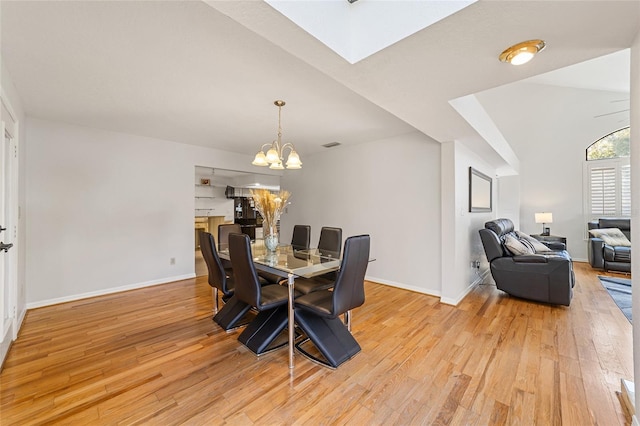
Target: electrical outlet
column 172, row 261
column 475, row 264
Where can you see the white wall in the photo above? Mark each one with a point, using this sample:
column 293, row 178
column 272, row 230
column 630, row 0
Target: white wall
column 508, row 204
column 389, row 189
column 460, row 238
column 107, row 211
column 551, row 151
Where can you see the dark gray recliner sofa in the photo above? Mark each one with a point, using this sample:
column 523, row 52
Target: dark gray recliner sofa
column 604, row 256
column 544, row 277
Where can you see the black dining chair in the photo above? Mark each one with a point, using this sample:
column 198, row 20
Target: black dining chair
column 330, row 245
column 224, row 230
column 219, row 279
column 270, row 300
column 301, row 238
column 317, row 313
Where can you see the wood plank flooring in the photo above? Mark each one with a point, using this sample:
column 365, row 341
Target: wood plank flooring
column 154, row 356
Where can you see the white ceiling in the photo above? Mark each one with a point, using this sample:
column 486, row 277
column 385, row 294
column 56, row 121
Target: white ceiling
column 607, row 73
column 207, row 73
column 355, row 30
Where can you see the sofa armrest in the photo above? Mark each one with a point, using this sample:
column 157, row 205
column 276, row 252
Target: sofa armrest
column 555, row 245
column 530, row 258
column 595, row 249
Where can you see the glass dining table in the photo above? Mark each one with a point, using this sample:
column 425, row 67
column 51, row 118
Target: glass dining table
column 289, row 263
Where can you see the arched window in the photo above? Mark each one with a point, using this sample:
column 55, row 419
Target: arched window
column 608, row 176
column 613, row 145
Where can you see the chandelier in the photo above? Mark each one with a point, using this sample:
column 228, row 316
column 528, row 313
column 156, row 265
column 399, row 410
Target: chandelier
column 275, row 155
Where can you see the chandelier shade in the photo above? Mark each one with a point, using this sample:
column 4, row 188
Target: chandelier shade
column 274, row 156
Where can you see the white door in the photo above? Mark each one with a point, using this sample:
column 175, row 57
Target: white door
column 8, row 231
column 7, row 303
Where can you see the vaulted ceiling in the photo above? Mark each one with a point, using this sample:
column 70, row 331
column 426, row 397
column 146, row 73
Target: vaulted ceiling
column 207, row 73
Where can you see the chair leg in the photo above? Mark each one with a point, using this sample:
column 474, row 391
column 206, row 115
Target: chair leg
column 347, row 320
column 215, row 300
column 231, row 313
column 261, row 334
column 330, row 336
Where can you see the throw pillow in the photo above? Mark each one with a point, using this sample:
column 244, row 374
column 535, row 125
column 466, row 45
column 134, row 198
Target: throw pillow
column 515, row 246
column 611, row 236
column 538, row 247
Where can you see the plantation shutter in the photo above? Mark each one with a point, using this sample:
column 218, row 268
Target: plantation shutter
column 603, row 191
column 609, row 188
column 625, row 189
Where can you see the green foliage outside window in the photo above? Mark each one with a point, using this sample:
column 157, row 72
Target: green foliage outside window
column 613, row 145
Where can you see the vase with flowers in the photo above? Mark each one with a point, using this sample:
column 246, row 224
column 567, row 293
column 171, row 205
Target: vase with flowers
column 270, row 206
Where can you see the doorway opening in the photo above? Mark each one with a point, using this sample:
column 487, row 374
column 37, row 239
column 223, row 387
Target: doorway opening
column 223, row 196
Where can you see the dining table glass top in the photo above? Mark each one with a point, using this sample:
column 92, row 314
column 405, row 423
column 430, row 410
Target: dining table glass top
column 289, row 260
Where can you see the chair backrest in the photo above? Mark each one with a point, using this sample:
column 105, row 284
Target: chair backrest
column 348, row 290
column 492, row 237
column 224, row 229
column 492, row 244
column 330, row 242
column 217, row 275
column 623, row 224
column 247, row 284
column 500, row 226
column 301, row 239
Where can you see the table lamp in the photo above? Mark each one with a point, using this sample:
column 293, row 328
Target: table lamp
column 544, row 218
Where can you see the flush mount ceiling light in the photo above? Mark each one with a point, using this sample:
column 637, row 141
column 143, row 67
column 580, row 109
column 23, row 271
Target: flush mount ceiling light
column 522, row 53
column 275, row 155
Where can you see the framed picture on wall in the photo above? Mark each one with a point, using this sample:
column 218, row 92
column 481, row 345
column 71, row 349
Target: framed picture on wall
column 480, row 191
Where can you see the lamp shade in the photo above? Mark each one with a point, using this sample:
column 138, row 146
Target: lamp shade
column 544, row 218
column 293, row 161
column 272, row 155
column 277, row 166
column 260, row 159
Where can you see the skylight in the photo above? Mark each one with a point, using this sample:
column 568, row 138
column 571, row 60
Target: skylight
column 360, row 29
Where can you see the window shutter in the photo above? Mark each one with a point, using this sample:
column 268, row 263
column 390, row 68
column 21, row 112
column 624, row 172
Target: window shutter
column 603, row 191
column 625, row 189
column 609, row 188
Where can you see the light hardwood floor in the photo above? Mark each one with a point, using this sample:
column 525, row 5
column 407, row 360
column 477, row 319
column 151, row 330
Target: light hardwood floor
column 154, row 356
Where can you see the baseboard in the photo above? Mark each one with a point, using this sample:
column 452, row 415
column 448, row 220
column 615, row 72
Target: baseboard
column 5, row 344
column 7, row 339
column 446, row 300
column 21, row 318
column 403, row 286
column 628, row 392
column 482, row 276
column 451, row 301
column 74, row 297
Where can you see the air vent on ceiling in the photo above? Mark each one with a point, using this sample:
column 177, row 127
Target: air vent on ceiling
column 331, row 144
